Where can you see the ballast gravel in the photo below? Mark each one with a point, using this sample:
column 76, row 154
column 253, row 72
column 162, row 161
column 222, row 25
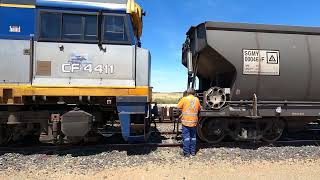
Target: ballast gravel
column 82, row 161
column 106, row 162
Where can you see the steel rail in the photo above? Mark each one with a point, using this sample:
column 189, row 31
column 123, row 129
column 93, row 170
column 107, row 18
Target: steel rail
column 60, row 148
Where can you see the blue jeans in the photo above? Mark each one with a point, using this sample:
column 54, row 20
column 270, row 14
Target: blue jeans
column 189, row 137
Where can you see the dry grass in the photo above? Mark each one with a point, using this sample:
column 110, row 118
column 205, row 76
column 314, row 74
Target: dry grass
column 166, row 98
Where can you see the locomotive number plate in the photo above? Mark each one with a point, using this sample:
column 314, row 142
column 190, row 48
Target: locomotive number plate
column 89, row 68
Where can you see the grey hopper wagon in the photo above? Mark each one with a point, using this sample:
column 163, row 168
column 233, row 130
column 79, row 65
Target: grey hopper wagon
column 252, row 78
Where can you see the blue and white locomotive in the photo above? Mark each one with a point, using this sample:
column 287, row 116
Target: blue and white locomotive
column 71, row 68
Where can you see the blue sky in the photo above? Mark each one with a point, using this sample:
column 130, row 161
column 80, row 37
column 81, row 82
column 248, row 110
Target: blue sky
column 167, row 21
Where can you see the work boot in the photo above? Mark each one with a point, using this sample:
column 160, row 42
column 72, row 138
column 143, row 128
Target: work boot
column 184, row 154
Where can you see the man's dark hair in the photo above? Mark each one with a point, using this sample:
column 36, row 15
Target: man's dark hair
column 190, row 91
column 185, row 93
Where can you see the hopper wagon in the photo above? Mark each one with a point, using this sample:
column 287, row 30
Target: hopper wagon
column 255, row 81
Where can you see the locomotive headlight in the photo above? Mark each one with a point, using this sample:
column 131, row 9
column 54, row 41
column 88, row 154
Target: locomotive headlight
column 279, row 110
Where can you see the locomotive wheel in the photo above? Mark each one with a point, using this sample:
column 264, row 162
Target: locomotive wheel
column 211, row 130
column 273, row 131
column 4, row 135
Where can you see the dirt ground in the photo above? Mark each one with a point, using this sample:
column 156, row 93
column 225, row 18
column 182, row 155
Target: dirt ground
column 185, row 169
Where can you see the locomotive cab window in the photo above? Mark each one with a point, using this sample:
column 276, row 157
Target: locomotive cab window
column 72, row 27
column 90, row 28
column 68, row 27
column 115, row 29
column 79, row 27
column 84, row 27
column 50, row 26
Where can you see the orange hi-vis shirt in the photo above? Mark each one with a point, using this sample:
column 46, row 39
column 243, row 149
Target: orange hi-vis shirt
column 190, row 106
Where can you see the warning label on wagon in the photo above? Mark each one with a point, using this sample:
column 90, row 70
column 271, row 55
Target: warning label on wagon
column 262, row 62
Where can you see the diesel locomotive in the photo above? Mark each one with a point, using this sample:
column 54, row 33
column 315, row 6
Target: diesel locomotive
column 255, row 81
column 70, row 68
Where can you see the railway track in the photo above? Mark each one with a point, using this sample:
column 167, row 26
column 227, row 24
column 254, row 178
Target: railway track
column 53, row 149
column 63, row 148
column 310, row 139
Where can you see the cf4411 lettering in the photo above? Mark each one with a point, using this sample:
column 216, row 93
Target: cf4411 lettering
column 100, row 68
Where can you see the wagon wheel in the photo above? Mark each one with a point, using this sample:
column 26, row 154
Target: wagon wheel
column 273, row 130
column 233, row 127
column 211, row 130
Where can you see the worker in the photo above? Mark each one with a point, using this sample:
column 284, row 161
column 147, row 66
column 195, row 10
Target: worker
column 155, row 110
column 190, row 107
column 155, row 114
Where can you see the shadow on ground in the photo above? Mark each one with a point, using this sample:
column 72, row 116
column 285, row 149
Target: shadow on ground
column 116, row 143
